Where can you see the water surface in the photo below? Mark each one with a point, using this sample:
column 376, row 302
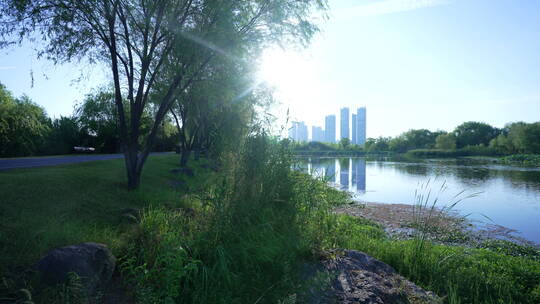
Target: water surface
column 507, row 195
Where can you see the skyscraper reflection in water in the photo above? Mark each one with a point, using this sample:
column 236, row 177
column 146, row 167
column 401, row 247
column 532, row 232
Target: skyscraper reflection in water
column 348, row 173
column 359, row 175
column 344, row 172
column 330, row 171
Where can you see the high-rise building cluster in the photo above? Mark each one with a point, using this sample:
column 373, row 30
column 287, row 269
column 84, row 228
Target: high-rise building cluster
column 299, row 131
column 353, row 128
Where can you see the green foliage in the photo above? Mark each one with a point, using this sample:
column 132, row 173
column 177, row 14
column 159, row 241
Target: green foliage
column 258, row 221
column 465, row 275
column 380, row 144
column 65, row 134
column 98, row 120
column 445, row 141
column 437, row 153
column 531, row 138
column 473, row 133
column 26, row 130
column 158, row 50
column 502, row 144
column 515, row 132
column 254, row 223
column 70, row 292
column 56, row 206
column 24, row 126
column 157, row 256
column 512, row 249
column 518, row 137
column 344, row 143
column 315, row 148
column 413, row 139
column 468, row 139
column 522, row 159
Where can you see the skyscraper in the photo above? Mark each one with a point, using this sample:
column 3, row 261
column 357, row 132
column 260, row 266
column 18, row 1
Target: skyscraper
column 353, row 128
column 298, row 131
column 302, row 132
column 344, row 131
column 330, row 129
column 317, row 134
column 361, row 126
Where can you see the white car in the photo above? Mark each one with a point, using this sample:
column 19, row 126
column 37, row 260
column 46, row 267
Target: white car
column 84, row 149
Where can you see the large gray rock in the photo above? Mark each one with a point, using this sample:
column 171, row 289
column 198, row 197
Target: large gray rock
column 92, row 262
column 350, row 276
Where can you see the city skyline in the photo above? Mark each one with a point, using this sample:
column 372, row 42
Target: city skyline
column 352, row 127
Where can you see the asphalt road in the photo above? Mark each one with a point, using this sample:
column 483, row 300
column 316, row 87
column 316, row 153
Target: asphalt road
column 14, row 163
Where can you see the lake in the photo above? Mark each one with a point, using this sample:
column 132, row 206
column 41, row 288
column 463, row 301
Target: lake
column 505, row 195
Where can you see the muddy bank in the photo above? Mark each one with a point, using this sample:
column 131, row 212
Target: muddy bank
column 402, row 221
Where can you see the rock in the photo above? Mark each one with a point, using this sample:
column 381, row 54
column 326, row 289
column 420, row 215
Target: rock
column 354, row 277
column 92, row 262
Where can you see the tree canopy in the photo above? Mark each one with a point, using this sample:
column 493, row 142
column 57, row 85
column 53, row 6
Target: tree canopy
column 473, row 133
column 24, row 125
column 154, row 48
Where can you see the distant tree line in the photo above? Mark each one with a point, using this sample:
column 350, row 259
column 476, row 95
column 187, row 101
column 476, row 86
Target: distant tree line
column 472, row 137
column 26, row 130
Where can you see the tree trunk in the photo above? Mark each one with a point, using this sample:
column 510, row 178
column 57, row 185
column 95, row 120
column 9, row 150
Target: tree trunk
column 132, row 168
column 134, row 180
column 184, row 157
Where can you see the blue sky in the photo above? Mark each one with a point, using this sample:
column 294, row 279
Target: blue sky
column 56, row 87
column 413, row 63
column 435, row 65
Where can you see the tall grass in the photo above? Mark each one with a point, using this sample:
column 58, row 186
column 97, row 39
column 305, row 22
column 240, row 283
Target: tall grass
column 246, row 241
column 260, row 221
column 240, row 235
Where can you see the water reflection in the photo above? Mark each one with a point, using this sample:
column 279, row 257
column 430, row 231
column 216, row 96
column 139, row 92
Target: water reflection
column 344, row 172
column 359, row 174
column 510, row 195
column 348, row 173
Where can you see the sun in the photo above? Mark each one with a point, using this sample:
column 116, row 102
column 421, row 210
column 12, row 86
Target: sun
column 290, row 73
column 295, row 77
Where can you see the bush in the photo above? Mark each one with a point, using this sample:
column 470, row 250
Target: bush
column 438, row 153
column 254, row 227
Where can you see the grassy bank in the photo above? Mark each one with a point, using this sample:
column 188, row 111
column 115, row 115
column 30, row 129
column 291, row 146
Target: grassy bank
column 52, row 206
column 440, row 153
column 532, row 160
column 239, row 235
column 463, row 275
column 515, row 159
column 329, row 153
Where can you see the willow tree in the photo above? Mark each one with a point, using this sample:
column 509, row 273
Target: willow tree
column 139, row 39
column 215, row 111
